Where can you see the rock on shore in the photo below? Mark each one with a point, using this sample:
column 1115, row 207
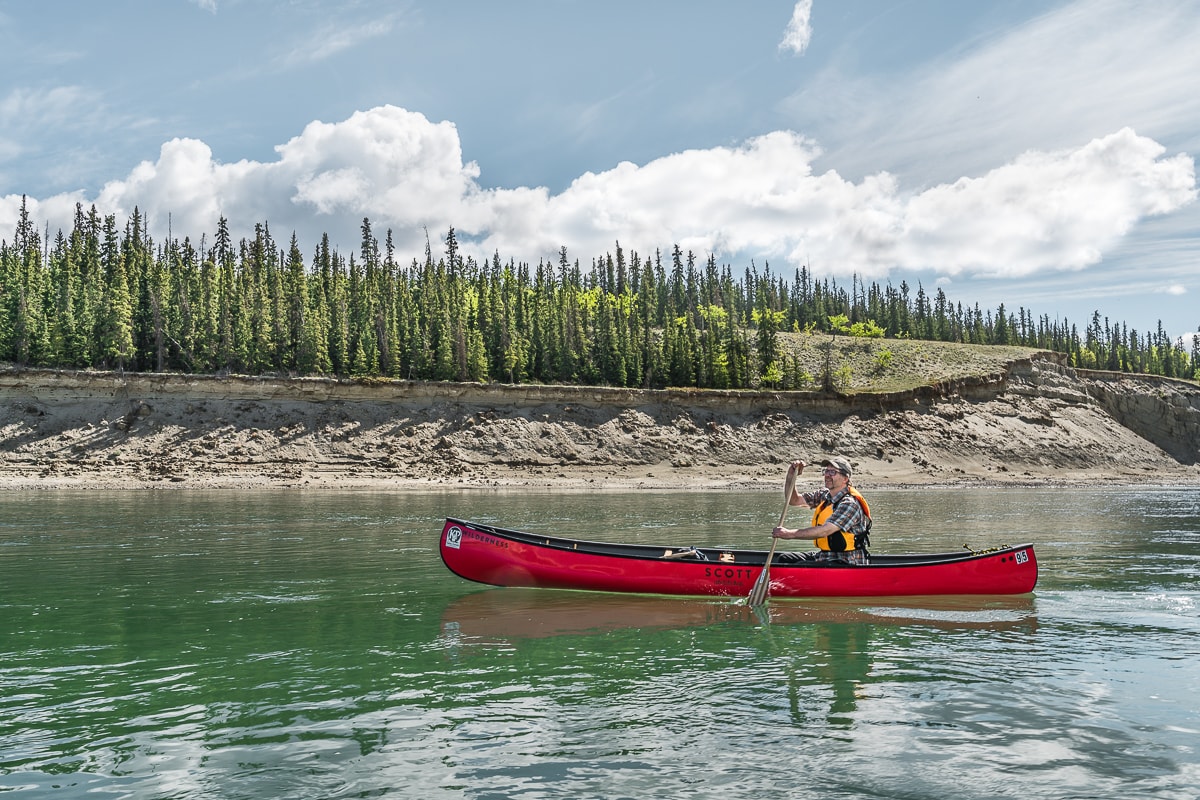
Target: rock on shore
column 1035, row 422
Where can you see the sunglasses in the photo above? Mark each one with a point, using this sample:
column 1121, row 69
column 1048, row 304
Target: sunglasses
column 831, row 472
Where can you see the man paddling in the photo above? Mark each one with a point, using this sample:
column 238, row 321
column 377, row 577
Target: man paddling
column 841, row 521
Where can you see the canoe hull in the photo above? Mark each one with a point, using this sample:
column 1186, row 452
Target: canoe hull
column 500, row 557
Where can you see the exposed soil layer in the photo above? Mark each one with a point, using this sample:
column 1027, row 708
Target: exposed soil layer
column 1034, row 421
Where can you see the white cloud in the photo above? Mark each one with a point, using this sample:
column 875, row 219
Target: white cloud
column 1077, row 72
column 799, row 29
column 1043, row 211
column 1176, row 289
column 184, row 183
column 1059, row 211
column 24, row 111
column 333, row 39
column 388, row 164
column 32, row 117
column 42, row 107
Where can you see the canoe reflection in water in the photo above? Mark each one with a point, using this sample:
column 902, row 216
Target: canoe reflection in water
column 508, row 614
column 822, row 651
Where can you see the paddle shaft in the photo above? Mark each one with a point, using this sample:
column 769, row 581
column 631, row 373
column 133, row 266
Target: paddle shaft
column 758, row 594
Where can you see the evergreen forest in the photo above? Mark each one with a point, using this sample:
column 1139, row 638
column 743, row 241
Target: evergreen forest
column 106, row 296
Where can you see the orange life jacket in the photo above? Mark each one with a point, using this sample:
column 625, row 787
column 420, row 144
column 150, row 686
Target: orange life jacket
column 842, row 540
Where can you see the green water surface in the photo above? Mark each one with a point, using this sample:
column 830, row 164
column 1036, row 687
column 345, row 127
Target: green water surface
column 311, row 645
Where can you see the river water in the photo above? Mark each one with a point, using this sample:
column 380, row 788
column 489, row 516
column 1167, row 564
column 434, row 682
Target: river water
column 311, row 645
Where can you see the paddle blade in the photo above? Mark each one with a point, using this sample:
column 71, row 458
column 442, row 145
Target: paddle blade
column 758, row 594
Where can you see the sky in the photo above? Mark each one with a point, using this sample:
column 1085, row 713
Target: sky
column 1035, row 153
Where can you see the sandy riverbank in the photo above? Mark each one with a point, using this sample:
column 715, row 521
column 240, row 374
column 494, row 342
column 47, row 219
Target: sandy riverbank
column 1037, row 423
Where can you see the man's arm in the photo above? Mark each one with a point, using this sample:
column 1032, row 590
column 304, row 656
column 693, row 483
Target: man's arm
column 811, row 532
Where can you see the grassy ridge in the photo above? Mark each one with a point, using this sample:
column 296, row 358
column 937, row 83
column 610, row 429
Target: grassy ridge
column 859, row 365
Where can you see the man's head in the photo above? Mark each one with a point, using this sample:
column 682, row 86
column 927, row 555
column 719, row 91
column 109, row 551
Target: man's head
column 837, row 473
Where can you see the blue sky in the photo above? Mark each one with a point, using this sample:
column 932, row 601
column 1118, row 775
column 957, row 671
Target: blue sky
column 1039, row 154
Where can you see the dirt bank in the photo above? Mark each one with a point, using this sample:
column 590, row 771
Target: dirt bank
column 1034, row 421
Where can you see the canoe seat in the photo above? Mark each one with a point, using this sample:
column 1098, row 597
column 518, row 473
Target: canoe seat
column 687, row 552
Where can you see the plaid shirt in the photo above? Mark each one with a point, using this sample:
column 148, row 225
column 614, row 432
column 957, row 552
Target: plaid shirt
column 858, row 558
column 847, row 517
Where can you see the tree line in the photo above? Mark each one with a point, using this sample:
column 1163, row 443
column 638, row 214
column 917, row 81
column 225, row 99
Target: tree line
column 105, row 296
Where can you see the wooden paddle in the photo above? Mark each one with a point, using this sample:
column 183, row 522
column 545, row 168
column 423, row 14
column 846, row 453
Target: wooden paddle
column 758, row 595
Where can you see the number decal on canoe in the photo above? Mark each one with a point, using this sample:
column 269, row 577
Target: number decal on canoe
column 1022, row 556
column 454, row 538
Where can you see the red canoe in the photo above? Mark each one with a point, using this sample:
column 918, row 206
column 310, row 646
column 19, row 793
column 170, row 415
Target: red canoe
column 500, row 557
